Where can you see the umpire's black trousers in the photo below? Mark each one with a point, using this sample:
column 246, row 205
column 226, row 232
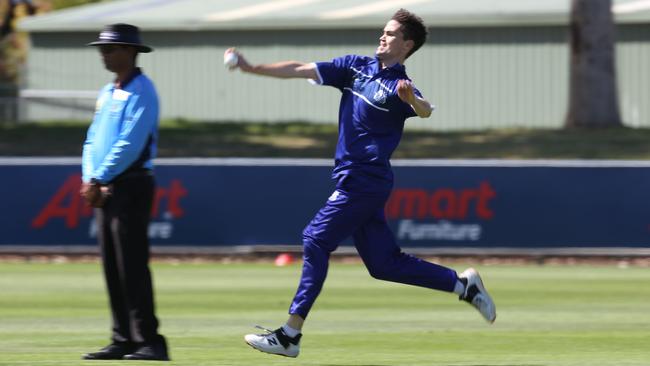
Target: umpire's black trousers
column 122, row 226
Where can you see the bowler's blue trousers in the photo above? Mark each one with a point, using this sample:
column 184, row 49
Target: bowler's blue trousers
column 354, row 210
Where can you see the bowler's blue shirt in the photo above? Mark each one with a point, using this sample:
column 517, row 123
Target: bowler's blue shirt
column 124, row 131
column 371, row 115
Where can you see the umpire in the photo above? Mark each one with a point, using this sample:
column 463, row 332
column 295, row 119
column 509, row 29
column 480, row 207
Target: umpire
column 118, row 181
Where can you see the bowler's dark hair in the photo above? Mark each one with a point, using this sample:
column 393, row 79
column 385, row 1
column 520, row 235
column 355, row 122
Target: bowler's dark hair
column 412, row 26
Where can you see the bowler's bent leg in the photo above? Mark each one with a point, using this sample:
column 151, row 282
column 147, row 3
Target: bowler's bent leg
column 386, row 261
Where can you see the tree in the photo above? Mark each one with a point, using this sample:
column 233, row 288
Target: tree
column 593, row 96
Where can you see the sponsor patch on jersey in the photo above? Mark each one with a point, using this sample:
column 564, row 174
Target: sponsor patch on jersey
column 119, row 94
column 380, row 96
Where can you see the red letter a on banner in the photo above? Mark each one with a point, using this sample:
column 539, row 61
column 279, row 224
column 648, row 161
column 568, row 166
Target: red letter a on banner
column 55, row 207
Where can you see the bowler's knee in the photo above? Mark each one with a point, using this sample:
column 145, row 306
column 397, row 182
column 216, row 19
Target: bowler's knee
column 380, row 271
column 311, row 241
column 387, row 268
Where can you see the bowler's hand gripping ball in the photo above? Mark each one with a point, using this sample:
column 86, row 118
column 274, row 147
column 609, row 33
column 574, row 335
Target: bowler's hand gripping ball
column 230, row 60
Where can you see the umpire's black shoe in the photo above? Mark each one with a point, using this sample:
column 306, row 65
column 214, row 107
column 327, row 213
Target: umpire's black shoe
column 114, row 351
column 156, row 351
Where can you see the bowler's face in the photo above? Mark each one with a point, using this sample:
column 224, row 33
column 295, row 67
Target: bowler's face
column 391, row 43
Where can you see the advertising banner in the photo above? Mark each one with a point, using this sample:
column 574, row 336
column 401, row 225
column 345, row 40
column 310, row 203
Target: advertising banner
column 211, row 202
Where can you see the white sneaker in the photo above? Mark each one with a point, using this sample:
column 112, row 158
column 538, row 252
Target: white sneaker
column 476, row 294
column 275, row 342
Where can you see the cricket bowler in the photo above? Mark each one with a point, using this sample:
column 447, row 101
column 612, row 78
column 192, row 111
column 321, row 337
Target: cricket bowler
column 377, row 97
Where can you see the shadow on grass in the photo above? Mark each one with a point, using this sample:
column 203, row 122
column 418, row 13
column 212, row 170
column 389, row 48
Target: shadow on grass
column 623, row 143
column 181, row 138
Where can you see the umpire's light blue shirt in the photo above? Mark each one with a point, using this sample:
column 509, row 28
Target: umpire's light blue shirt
column 371, row 115
column 124, row 130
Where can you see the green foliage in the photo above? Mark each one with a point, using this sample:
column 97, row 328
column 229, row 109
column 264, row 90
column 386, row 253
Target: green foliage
column 61, row 4
column 14, row 45
column 50, row 314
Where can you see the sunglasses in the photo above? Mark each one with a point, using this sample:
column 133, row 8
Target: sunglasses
column 106, row 49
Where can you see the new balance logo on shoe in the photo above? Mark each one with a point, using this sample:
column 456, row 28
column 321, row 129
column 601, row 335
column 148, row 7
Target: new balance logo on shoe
column 275, row 342
column 476, row 294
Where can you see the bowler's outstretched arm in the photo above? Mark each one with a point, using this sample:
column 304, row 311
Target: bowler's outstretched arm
column 282, row 70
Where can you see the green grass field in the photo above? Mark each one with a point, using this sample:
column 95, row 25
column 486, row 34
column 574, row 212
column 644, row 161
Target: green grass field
column 50, row 314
